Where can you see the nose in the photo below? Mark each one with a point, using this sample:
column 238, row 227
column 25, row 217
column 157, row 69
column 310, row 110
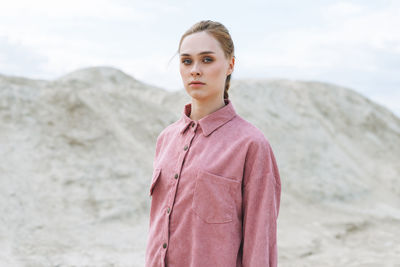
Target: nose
column 195, row 69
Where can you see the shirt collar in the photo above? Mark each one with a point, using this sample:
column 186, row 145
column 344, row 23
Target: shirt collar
column 210, row 122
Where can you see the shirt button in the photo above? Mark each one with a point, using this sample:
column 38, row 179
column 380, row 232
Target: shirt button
column 164, row 245
column 185, row 148
column 193, row 124
column 176, row 176
column 168, row 210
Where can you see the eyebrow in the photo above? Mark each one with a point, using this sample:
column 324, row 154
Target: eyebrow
column 201, row 53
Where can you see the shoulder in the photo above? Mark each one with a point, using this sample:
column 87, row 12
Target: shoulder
column 253, row 141
column 250, row 132
column 169, row 130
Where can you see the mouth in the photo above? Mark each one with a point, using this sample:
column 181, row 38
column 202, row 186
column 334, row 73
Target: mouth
column 196, row 83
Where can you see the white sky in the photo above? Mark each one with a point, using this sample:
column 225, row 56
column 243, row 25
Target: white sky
column 350, row 43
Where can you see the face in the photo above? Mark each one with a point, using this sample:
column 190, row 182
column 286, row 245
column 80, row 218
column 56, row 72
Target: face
column 202, row 59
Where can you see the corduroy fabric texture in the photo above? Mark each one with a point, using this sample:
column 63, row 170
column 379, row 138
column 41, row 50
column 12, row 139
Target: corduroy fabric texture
column 215, row 194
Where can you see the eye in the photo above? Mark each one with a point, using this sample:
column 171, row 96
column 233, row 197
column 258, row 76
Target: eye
column 208, row 58
column 188, row 61
column 184, row 61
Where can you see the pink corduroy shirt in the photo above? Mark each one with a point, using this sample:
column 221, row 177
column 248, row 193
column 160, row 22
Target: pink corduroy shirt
column 215, row 194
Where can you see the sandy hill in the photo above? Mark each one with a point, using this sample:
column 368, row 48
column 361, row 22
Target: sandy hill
column 76, row 158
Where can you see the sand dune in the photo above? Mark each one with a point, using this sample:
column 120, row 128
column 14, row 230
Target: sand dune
column 76, row 158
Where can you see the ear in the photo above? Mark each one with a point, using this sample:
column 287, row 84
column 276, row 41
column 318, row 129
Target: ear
column 231, row 65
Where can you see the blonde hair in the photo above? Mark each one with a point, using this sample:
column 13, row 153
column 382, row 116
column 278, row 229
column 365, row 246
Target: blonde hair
column 221, row 34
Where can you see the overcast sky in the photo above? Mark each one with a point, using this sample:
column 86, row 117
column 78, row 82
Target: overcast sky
column 350, row 43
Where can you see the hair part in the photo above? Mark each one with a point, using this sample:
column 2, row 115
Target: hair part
column 222, row 35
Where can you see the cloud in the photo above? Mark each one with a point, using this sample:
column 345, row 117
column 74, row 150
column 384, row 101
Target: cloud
column 74, row 34
column 89, row 9
column 351, row 36
column 16, row 58
column 343, row 9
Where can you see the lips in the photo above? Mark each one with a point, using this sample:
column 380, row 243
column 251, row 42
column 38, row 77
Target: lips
column 196, row 83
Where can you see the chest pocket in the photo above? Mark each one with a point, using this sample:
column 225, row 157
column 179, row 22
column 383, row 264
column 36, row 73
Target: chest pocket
column 154, row 179
column 213, row 197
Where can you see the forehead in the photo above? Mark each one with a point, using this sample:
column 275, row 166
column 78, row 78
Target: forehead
column 199, row 42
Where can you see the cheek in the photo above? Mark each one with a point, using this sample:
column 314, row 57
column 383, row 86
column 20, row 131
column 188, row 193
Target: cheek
column 182, row 72
column 217, row 71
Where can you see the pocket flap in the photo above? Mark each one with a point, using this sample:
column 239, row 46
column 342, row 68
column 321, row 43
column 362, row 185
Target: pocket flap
column 154, row 179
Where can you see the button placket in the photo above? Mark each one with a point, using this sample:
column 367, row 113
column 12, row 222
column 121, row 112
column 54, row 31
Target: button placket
column 177, row 176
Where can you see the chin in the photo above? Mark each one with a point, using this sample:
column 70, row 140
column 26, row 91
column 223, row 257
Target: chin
column 198, row 95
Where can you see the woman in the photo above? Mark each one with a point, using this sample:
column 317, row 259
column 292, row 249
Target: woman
column 215, row 187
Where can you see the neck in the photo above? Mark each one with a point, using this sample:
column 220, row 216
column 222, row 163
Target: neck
column 201, row 109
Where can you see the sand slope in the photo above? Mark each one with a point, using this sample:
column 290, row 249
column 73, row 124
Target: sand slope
column 76, row 158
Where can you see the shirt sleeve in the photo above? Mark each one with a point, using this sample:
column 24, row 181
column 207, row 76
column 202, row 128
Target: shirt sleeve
column 261, row 201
